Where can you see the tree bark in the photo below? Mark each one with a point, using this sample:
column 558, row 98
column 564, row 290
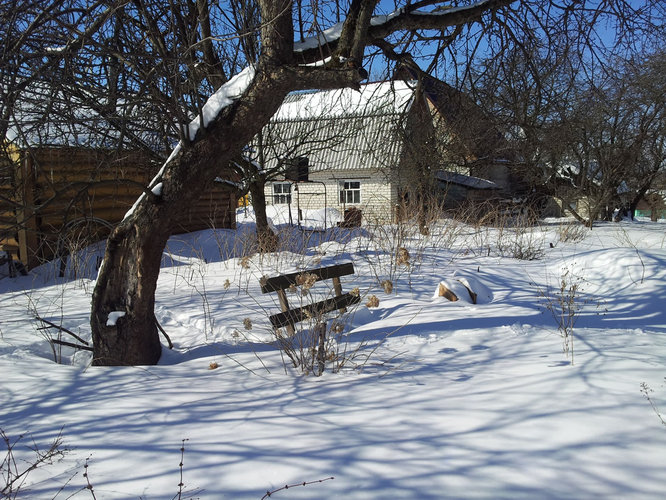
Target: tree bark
column 267, row 240
column 126, row 284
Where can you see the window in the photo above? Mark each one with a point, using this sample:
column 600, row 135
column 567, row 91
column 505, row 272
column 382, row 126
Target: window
column 350, row 192
column 281, row 193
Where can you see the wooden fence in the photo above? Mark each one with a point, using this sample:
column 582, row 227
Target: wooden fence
column 8, row 235
column 51, row 197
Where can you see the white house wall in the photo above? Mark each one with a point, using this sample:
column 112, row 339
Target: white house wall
column 378, row 197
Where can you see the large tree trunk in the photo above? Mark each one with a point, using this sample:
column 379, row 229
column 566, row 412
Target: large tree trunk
column 127, row 280
column 126, row 285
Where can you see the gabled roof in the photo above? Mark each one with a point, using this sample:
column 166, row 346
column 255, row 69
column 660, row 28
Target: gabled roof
column 346, row 129
column 473, row 127
column 342, row 129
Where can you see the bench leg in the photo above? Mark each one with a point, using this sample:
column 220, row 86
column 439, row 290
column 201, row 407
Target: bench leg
column 337, row 288
column 284, row 305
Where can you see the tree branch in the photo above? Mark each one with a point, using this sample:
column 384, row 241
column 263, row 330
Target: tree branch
column 349, row 39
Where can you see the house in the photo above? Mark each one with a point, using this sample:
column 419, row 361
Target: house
column 368, row 152
column 459, row 188
column 652, row 205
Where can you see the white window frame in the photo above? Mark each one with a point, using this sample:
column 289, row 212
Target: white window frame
column 349, row 192
column 280, row 197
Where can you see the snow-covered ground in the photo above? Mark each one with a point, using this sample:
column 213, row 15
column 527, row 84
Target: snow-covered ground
column 436, row 399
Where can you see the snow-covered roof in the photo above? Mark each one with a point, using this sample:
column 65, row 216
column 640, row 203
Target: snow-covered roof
column 50, row 115
column 341, row 129
column 347, row 129
column 46, row 115
column 383, row 98
column 464, row 180
column 32, row 122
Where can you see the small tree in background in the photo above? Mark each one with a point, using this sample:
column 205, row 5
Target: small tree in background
column 591, row 138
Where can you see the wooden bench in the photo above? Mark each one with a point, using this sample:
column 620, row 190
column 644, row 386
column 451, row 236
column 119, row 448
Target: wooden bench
column 289, row 317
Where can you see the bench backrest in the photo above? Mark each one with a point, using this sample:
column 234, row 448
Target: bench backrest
column 288, row 317
column 284, row 281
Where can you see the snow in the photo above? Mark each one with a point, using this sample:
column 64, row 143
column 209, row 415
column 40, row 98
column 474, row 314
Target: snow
column 320, row 219
column 114, row 316
column 326, row 36
column 333, row 33
column 451, row 10
column 384, row 18
column 464, row 180
column 223, row 97
column 440, row 400
column 157, row 189
column 371, row 98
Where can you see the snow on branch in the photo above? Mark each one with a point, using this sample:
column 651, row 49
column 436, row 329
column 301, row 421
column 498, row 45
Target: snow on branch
column 327, row 36
column 403, row 18
column 222, row 98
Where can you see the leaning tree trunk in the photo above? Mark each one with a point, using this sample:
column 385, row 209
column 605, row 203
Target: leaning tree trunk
column 123, row 321
column 126, row 286
column 127, row 280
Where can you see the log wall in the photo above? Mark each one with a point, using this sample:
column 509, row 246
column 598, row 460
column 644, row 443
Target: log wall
column 74, row 196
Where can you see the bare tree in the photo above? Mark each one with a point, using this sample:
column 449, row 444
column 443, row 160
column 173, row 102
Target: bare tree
column 648, row 92
column 584, row 121
column 609, row 140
